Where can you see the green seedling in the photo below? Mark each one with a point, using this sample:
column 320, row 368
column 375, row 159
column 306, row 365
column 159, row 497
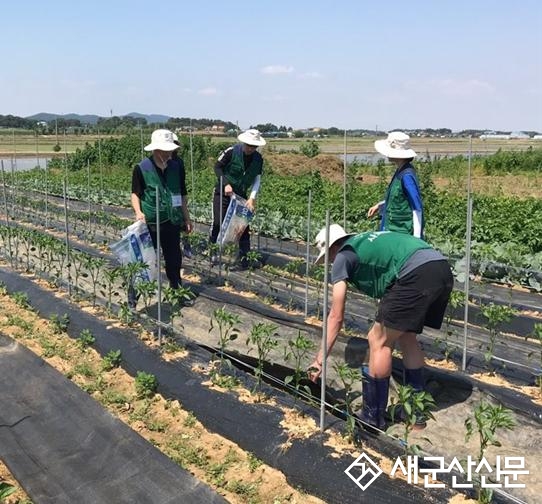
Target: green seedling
column 176, row 298
column 112, row 359
column 292, row 268
column 297, row 352
column 227, row 324
column 129, row 273
column 495, row 315
column 487, row 419
column 253, row 260
column 126, row 314
column 415, row 406
column 537, row 334
column 146, row 385
column 111, row 276
column 6, row 490
column 317, row 272
column 59, row 323
column 264, row 337
column 146, row 291
column 94, row 266
column 86, row 339
column 348, row 377
column 21, row 299
column 457, row 299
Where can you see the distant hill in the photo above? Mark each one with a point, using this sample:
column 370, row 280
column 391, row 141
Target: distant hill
column 93, row 119
column 151, row 118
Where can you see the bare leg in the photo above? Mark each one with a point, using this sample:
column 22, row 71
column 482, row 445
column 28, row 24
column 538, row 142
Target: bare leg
column 381, row 342
column 413, row 357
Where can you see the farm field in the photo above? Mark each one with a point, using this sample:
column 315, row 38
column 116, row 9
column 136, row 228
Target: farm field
column 23, row 143
column 56, row 252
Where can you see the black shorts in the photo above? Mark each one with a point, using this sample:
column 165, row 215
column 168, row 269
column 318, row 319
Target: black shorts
column 418, row 299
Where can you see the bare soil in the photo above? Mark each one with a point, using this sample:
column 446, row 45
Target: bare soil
column 331, row 167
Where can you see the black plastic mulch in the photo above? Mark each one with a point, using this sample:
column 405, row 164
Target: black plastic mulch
column 64, row 447
column 307, row 463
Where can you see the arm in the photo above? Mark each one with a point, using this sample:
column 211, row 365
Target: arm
column 136, row 205
column 334, row 324
column 138, row 186
column 414, row 197
column 251, row 202
column 220, row 169
column 375, row 208
column 184, row 194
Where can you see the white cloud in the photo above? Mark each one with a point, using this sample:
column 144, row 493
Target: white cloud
column 208, row 91
column 277, row 69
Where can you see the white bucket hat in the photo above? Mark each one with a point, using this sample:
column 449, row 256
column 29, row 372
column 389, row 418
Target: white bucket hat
column 336, row 232
column 396, row 146
column 162, row 139
column 252, row 137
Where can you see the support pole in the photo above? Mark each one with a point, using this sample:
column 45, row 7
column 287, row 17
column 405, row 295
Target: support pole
column 159, row 270
column 307, row 259
column 344, row 183
column 468, row 256
column 324, row 329
column 67, row 232
column 6, row 212
column 220, row 230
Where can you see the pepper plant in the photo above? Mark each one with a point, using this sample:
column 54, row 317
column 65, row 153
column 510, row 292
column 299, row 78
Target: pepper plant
column 348, row 377
column 176, row 298
column 146, row 291
column 487, row 419
column 414, row 406
column 227, row 325
column 457, row 299
column 495, row 315
column 537, row 334
column 297, row 351
column 264, row 337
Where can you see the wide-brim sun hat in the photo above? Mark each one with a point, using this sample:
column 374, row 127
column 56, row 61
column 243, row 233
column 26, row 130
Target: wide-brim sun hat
column 396, row 146
column 252, row 137
column 336, row 232
column 161, row 139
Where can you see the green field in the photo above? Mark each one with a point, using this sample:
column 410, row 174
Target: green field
column 24, row 143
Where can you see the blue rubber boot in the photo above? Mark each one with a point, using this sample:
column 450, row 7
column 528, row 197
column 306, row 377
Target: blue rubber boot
column 375, row 398
column 414, row 377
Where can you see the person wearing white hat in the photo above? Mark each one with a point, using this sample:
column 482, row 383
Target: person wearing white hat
column 402, row 209
column 413, row 282
column 158, row 173
column 240, row 167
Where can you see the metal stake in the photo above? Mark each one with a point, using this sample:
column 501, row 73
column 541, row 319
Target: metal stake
column 324, row 329
column 158, row 248
column 468, row 256
column 308, row 254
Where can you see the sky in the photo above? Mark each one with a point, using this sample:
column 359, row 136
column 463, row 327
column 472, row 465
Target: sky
column 350, row 64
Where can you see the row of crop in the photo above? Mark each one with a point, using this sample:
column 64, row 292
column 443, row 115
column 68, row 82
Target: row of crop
column 504, row 229
column 262, row 339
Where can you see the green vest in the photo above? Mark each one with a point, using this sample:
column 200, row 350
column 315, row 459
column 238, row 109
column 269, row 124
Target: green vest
column 154, row 183
column 398, row 214
column 382, row 254
column 236, row 175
